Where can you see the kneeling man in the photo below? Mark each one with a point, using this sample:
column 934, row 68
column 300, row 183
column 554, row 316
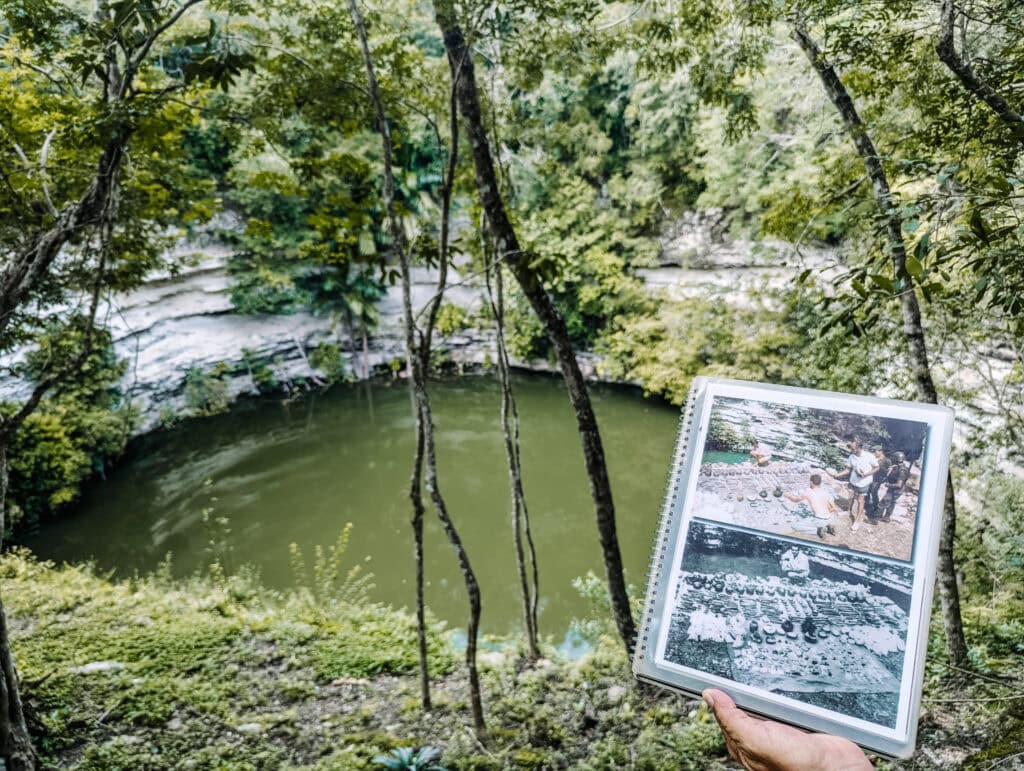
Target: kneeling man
column 819, row 499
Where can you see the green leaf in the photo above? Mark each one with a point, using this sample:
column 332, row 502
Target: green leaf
column 884, row 282
column 914, row 267
column 367, row 247
column 859, row 288
column 921, row 247
column 978, row 226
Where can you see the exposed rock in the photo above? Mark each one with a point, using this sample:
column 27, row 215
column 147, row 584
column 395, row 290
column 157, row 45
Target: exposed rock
column 97, row 666
column 350, row 681
column 492, row 659
column 616, row 694
column 249, row 728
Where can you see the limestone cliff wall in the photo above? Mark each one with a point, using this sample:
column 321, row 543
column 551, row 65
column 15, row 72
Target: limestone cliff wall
column 176, row 323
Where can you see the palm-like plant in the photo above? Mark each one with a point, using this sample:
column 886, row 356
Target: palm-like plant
column 411, row 759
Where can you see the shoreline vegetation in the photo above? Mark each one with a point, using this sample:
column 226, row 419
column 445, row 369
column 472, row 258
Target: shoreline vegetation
column 218, row 672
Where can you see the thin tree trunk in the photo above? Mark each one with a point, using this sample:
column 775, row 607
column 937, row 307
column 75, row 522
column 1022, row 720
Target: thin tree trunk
column 15, row 741
column 416, row 498
column 507, row 244
column 366, row 354
column 350, row 324
column 959, row 66
column 510, row 431
column 417, row 360
column 913, row 330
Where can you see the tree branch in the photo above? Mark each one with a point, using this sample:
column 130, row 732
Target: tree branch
column 135, row 62
column 959, row 66
column 42, row 173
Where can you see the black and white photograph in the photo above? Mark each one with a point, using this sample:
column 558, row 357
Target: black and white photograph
column 823, row 627
column 844, row 479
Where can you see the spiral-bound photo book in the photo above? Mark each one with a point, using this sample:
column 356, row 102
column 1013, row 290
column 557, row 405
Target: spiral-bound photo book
column 794, row 562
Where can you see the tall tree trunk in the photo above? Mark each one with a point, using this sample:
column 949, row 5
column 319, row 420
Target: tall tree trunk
column 417, row 359
column 510, row 431
column 913, row 331
column 15, row 742
column 509, row 252
column 959, row 66
column 416, row 498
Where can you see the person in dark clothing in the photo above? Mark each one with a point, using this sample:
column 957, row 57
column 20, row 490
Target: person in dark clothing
column 872, row 508
column 896, row 479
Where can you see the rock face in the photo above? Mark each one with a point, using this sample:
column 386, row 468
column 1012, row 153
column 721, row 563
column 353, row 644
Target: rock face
column 697, row 258
column 172, row 325
column 178, row 323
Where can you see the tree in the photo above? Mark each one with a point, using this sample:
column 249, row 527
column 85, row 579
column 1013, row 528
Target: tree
column 913, row 330
column 65, row 232
column 418, row 353
column 519, row 263
column 528, row 583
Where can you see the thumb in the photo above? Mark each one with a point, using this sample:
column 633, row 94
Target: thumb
column 731, row 718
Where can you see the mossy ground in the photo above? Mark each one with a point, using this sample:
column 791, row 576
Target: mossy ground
column 221, row 674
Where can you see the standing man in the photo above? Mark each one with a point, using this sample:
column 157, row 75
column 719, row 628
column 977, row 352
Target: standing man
column 860, row 470
column 895, row 483
column 873, row 511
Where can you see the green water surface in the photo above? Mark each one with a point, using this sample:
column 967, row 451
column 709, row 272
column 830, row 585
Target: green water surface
column 721, row 456
column 284, row 472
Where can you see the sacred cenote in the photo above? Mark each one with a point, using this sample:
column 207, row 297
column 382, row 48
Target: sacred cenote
column 297, row 472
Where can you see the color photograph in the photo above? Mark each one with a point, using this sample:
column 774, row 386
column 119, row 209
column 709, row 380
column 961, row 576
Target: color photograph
column 822, row 627
column 838, row 478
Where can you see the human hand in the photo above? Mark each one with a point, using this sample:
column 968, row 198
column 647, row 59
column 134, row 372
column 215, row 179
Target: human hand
column 764, row 745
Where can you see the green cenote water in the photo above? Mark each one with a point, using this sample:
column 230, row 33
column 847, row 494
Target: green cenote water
column 722, row 456
column 298, row 471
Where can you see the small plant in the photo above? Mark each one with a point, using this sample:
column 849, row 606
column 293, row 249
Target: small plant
column 451, row 319
column 206, row 392
column 262, row 375
column 219, row 547
column 328, row 582
column 327, row 359
column 411, row 759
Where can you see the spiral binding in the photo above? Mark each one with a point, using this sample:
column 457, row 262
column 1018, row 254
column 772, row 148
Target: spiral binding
column 660, row 546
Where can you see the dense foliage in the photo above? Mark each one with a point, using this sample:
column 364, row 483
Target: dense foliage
column 78, row 430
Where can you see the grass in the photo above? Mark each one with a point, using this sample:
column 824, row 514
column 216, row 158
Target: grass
column 218, row 673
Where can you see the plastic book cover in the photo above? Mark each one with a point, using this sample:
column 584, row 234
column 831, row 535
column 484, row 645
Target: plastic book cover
column 795, row 560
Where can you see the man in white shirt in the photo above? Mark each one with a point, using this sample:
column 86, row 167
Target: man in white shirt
column 819, row 500
column 860, row 470
column 795, row 564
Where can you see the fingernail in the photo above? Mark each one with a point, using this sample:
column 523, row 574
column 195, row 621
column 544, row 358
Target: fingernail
column 709, row 700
